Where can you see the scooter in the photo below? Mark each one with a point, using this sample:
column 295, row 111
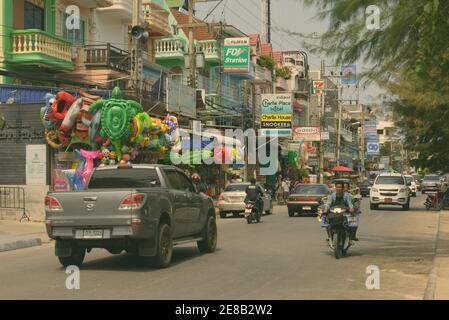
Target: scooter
column 433, row 201
column 251, row 212
column 340, row 224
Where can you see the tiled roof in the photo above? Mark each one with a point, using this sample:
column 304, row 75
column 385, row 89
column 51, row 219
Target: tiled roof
column 254, row 38
column 200, row 33
column 277, row 56
column 267, row 49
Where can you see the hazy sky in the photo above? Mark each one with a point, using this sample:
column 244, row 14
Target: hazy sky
column 286, row 14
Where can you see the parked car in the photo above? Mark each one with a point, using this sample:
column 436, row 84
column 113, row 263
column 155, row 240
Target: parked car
column 231, row 200
column 430, row 183
column 142, row 209
column 390, row 189
column 306, row 198
column 365, row 188
column 413, row 185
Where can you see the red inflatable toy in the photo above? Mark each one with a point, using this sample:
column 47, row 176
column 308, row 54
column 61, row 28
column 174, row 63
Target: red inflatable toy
column 61, row 105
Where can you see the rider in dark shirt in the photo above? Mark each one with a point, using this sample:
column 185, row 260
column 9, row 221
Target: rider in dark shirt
column 254, row 194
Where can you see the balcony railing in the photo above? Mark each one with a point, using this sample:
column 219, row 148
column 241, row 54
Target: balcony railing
column 157, row 19
column 106, row 56
column 33, row 41
column 170, row 48
column 210, row 50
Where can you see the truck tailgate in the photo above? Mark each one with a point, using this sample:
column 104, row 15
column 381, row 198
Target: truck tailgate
column 91, row 208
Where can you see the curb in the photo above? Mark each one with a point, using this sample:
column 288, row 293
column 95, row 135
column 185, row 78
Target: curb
column 20, row 244
column 429, row 293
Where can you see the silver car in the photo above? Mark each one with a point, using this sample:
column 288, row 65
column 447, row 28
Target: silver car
column 231, row 200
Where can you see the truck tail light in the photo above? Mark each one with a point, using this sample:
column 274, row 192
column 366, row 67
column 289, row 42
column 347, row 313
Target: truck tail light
column 133, row 201
column 52, row 204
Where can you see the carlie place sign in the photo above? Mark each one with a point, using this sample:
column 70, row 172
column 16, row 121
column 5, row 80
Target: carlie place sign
column 236, row 55
column 276, row 115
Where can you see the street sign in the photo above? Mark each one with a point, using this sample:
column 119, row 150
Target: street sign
column 349, row 74
column 370, row 129
column 307, row 133
column 373, row 148
column 276, row 115
column 318, row 86
column 236, row 55
column 325, row 135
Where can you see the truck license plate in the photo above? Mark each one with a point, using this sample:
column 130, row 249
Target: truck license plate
column 92, row 234
column 307, row 208
column 388, row 200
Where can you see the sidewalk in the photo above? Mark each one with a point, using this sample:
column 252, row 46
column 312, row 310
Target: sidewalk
column 438, row 285
column 17, row 235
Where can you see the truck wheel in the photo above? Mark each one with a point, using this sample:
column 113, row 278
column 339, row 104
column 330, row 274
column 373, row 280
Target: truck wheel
column 164, row 247
column 209, row 242
column 75, row 259
column 222, row 214
column 291, row 213
column 374, row 206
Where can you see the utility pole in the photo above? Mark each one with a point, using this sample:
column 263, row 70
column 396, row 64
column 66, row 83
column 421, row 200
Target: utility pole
column 192, row 51
column 136, row 54
column 266, row 21
column 362, row 141
column 339, row 125
column 322, row 123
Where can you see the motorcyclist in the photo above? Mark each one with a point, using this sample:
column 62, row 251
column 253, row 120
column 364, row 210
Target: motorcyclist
column 339, row 198
column 356, row 204
column 200, row 186
column 253, row 194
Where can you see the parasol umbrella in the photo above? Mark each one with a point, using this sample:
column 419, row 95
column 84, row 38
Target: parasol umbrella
column 342, row 169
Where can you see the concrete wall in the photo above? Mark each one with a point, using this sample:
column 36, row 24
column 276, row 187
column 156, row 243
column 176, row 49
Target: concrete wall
column 34, row 204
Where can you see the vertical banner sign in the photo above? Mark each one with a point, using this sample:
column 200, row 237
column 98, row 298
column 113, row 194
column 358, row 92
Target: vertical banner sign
column 236, row 55
column 276, row 115
column 318, row 86
column 36, row 164
column 373, row 147
column 370, row 129
column 349, row 74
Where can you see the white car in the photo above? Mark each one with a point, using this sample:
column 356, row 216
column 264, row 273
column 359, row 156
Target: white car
column 233, row 196
column 390, row 189
column 413, row 185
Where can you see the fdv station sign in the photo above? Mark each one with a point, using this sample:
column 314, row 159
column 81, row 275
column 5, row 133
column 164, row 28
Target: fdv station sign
column 276, row 115
column 236, row 55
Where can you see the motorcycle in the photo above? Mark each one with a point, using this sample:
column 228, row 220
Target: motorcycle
column 251, row 212
column 434, row 201
column 339, row 224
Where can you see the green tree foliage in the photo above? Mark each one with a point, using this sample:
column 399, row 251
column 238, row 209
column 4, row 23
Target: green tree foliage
column 267, row 62
column 284, row 72
column 409, row 56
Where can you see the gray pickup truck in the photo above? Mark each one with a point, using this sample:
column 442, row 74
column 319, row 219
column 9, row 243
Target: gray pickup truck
column 142, row 209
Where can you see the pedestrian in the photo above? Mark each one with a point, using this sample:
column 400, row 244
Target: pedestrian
column 286, row 189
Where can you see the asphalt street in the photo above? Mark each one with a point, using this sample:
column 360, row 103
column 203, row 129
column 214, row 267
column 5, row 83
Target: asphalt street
column 280, row 258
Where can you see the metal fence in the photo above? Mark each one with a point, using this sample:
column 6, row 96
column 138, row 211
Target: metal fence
column 13, row 198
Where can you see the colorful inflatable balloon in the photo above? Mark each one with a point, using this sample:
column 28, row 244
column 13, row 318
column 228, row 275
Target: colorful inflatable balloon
column 61, row 106
column 47, row 122
column 78, row 177
column 89, row 166
column 70, row 118
column 116, row 114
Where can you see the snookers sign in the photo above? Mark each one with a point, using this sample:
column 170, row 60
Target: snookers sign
column 276, row 115
column 236, row 55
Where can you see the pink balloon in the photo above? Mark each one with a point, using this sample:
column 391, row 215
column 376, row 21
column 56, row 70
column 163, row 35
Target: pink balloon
column 89, row 166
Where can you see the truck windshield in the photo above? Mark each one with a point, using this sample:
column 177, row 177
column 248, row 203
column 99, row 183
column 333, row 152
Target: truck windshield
column 124, row 178
column 390, row 180
column 431, row 178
